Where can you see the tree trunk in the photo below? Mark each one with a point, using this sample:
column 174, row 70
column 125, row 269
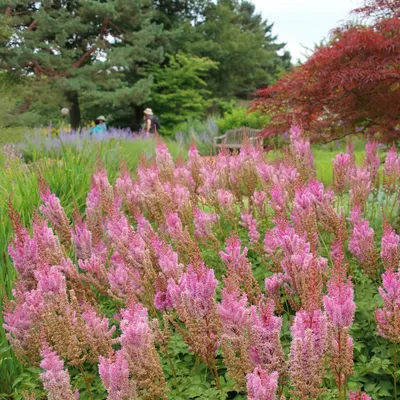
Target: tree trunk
column 75, row 111
column 137, row 118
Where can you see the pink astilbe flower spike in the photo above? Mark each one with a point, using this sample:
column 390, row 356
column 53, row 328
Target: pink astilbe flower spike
column 115, row 377
column 49, row 249
column 372, row 159
column 266, row 349
column 24, row 253
column 362, row 244
column 196, row 290
column 123, row 280
column 350, row 152
column 204, row 223
column 273, row 285
column 279, row 201
column 225, row 200
column 55, row 378
column 163, row 157
column 52, row 210
column 51, row 281
column 390, row 247
column 174, row 226
column 391, row 174
column 339, row 303
column 239, row 274
column 138, row 344
column 307, row 351
column 251, row 224
column 194, row 300
column 388, row 317
column 261, row 385
column 341, row 168
column 360, row 187
column 259, row 198
column 82, row 240
column 234, row 312
column 358, row 396
column 19, row 322
column 210, row 182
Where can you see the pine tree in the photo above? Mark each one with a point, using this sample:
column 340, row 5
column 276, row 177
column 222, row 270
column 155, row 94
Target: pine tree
column 86, row 49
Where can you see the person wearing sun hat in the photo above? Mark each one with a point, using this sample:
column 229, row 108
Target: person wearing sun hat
column 152, row 122
column 100, row 129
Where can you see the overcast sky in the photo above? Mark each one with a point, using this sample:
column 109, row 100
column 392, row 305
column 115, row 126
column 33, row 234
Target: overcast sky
column 304, row 22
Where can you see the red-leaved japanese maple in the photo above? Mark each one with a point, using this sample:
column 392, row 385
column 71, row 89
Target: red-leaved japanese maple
column 351, row 84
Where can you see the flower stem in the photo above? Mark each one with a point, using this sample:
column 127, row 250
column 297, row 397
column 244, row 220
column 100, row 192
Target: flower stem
column 86, row 382
column 395, row 369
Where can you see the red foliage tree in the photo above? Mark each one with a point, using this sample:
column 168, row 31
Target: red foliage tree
column 350, row 85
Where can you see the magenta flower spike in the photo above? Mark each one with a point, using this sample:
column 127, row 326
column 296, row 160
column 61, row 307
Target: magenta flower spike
column 114, row 374
column 55, row 378
column 261, row 385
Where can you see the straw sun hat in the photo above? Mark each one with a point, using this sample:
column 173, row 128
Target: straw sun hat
column 148, row 111
column 101, row 118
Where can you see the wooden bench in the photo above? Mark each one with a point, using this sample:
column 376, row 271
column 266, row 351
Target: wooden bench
column 233, row 139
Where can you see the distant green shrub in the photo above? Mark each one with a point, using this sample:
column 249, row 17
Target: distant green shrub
column 241, row 116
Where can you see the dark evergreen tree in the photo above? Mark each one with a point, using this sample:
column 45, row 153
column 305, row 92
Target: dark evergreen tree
column 94, row 51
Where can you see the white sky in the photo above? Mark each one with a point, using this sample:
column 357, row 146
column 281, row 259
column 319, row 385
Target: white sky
column 304, row 22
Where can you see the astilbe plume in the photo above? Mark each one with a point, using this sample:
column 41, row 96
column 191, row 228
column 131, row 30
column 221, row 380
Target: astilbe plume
column 114, row 374
column 82, row 240
column 210, row 183
column 170, row 268
column 258, row 199
column 138, row 344
column 239, row 272
column 20, row 319
column 358, row 396
column 266, row 175
column 279, row 201
column 273, row 285
column 360, row 187
column 226, row 201
column 391, row 174
column 372, row 160
column 362, row 244
column 251, row 224
column 164, row 160
column 307, row 353
column 304, row 216
column 303, row 272
column 23, row 250
column 180, row 236
column 266, row 350
column 261, row 385
column 234, row 313
column 350, row 152
column 55, row 378
column 390, row 247
column 49, row 249
column 388, row 317
column 128, row 190
column 341, row 168
column 340, row 308
column 193, row 298
column 303, row 157
column 54, row 213
column 203, row 223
